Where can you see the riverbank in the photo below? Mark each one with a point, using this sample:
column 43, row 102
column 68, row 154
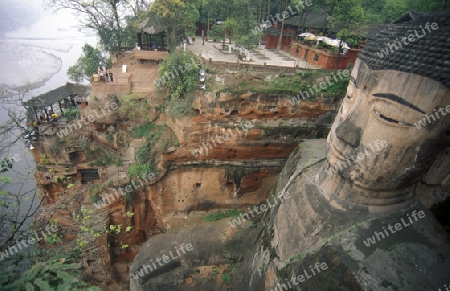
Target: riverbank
column 26, row 66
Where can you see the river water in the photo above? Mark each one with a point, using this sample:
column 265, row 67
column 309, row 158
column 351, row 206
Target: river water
column 35, row 59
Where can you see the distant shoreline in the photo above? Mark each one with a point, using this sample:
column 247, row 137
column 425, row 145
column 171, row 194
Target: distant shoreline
column 28, row 67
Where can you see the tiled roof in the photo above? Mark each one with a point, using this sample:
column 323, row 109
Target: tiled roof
column 57, row 94
column 428, row 55
column 152, row 24
column 313, row 20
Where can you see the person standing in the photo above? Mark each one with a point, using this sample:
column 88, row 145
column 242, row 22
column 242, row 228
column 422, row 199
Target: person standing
column 100, row 74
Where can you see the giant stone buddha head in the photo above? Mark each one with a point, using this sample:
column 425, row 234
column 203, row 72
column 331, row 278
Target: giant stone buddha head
column 395, row 118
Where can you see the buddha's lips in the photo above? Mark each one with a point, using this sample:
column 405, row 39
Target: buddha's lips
column 336, row 153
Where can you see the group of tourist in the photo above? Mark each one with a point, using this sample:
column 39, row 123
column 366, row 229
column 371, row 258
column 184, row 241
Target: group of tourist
column 104, row 75
column 46, row 118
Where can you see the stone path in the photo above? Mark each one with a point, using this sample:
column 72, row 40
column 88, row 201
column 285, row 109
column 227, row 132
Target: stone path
column 211, row 50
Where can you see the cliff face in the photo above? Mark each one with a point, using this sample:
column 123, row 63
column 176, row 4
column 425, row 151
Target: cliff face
column 303, row 241
column 328, row 224
column 225, row 155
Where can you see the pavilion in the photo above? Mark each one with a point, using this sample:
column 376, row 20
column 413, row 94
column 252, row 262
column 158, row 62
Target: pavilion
column 64, row 96
column 151, row 33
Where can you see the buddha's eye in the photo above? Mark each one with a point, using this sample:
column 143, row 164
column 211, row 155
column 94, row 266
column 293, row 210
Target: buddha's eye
column 388, row 119
column 349, row 98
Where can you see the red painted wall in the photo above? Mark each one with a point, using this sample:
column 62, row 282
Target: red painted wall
column 325, row 60
column 272, row 40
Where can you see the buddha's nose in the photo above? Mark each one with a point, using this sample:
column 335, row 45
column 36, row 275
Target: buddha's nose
column 348, row 132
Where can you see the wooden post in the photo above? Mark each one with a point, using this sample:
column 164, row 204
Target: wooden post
column 60, row 108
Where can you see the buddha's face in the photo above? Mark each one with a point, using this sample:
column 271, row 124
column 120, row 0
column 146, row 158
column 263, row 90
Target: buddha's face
column 375, row 142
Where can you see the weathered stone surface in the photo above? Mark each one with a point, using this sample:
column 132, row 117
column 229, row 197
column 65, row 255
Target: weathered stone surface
column 214, row 244
column 309, row 227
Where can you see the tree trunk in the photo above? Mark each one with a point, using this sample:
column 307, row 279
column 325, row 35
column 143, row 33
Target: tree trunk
column 172, row 40
column 281, row 35
column 305, row 14
column 116, row 18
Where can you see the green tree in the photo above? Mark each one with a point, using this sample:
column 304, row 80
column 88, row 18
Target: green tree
column 387, row 11
column 171, row 11
column 16, row 207
column 209, row 11
column 345, row 14
column 183, row 74
column 393, row 9
column 373, row 11
column 350, row 38
column 18, row 202
column 190, row 17
column 59, row 272
column 217, row 32
column 105, row 16
column 428, row 6
column 87, row 64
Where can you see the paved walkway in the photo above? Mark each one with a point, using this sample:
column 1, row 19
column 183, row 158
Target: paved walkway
column 211, row 50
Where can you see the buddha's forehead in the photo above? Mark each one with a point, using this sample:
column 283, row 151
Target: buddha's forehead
column 419, row 90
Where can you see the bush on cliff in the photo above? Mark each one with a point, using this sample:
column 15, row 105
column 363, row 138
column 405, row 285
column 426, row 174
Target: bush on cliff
column 179, row 72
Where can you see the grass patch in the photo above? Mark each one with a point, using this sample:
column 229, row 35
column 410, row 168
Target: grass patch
column 105, row 158
column 138, row 170
column 226, row 278
column 133, row 106
column 218, row 215
column 292, row 85
column 151, row 131
column 180, row 107
column 71, row 113
column 57, row 146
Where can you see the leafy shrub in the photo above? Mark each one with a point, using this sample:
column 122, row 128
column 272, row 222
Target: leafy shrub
column 106, row 158
column 140, row 169
column 71, row 113
column 166, row 145
column 43, row 160
column 53, row 239
column 226, row 277
column 143, row 154
column 109, row 138
column 338, row 89
column 115, row 98
column 180, row 107
column 94, row 198
column 133, row 106
column 184, row 82
column 149, row 130
column 57, row 146
column 57, row 273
